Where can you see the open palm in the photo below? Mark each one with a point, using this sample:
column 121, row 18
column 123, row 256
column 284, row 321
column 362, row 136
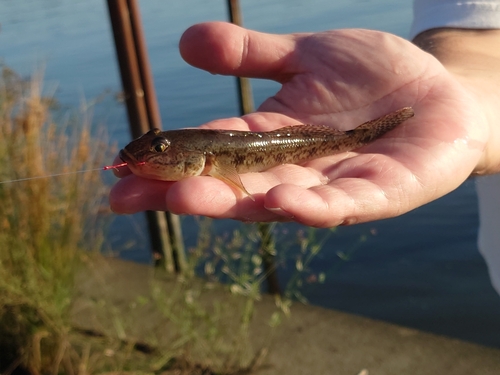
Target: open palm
column 337, row 78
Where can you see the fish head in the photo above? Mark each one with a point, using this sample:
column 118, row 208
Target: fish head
column 162, row 156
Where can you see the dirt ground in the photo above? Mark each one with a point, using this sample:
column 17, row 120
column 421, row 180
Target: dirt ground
column 311, row 340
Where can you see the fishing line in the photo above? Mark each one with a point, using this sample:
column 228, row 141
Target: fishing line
column 108, row 167
column 50, row 175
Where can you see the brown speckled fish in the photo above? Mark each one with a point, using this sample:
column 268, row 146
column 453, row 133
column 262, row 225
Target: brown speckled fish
column 224, row 154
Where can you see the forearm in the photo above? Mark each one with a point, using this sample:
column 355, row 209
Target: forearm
column 473, row 57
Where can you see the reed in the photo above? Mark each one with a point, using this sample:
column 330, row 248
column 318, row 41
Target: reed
column 44, row 223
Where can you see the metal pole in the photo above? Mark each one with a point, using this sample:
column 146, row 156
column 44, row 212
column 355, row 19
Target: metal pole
column 243, row 84
column 144, row 70
column 267, row 246
column 143, row 114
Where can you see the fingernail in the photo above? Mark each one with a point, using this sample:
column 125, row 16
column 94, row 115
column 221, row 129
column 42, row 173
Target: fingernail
column 279, row 211
column 348, row 221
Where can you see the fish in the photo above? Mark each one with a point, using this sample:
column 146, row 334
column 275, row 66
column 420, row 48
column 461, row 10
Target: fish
column 225, row 154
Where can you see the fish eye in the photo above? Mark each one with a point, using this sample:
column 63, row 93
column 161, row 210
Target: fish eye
column 159, row 144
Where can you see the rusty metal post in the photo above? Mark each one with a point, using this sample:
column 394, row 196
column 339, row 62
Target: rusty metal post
column 143, row 114
column 267, row 246
column 243, row 83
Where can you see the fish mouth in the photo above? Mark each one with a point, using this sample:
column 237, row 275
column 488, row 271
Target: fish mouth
column 127, row 157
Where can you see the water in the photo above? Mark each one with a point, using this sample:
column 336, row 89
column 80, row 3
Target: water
column 422, row 269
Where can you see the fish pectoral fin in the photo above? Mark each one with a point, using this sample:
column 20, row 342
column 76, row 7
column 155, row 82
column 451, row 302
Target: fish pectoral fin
column 228, row 174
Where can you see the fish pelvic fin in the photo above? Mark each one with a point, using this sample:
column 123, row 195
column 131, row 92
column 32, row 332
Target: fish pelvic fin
column 227, row 174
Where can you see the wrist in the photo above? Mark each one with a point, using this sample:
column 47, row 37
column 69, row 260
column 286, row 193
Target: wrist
column 473, row 58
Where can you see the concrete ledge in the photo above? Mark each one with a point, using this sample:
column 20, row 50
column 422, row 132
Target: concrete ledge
column 312, row 340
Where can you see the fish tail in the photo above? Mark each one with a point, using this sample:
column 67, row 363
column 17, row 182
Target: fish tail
column 389, row 121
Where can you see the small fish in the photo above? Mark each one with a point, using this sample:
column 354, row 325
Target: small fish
column 224, row 154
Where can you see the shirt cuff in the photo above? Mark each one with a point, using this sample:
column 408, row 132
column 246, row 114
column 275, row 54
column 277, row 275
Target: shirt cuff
column 431, row 14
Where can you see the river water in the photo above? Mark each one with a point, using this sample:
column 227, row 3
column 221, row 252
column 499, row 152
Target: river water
column 421, row 270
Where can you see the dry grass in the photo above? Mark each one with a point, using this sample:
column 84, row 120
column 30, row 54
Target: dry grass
column 44, row 223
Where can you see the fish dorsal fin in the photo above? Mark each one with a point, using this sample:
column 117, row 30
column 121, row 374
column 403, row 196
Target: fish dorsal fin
column 304, row 128
column 388, row 121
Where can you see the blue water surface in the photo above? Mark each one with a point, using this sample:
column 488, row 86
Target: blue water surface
column 421, row 269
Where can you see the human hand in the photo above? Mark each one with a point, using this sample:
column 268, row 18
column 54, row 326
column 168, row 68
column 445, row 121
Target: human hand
column 337, row 78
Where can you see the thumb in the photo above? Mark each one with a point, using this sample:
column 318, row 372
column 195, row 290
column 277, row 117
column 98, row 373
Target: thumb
column 224, row 48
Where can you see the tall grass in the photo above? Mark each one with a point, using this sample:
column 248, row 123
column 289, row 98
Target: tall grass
column 43, row 223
